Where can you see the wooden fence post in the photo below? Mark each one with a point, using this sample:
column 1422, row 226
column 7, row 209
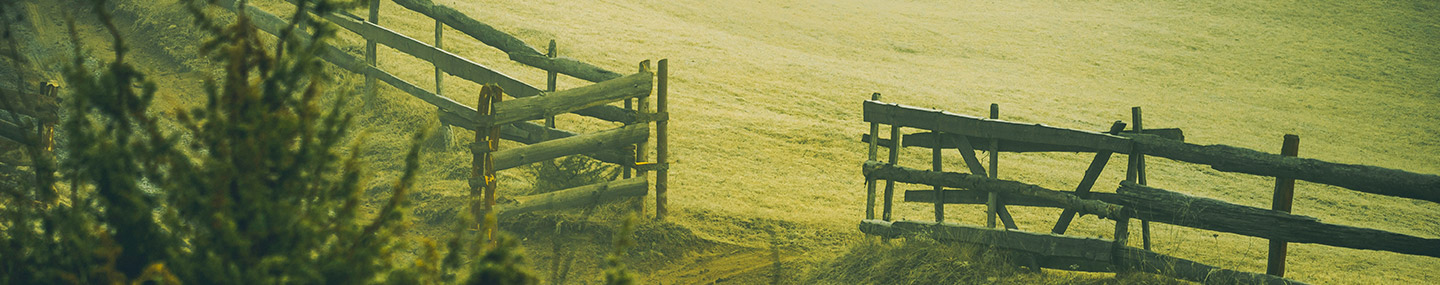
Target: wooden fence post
column 995, row 207
column 1140, row 175
column 641, row 155
column 551, row 79
column 661, row 138
column 936, row 164
column 1284, row 194
column 487, row 141
column 625, row 170
column 1132, row 174
column 440, row 83
column 870, row 182
column 889, row 196
column 993, row 200
column 370, row 50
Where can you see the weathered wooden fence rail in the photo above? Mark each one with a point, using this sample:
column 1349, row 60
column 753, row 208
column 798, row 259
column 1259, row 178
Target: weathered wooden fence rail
column 10, row 128
column 21, row 128
column 1364, row 178
column 498, row 119
column 1132, row 199
column 1072, row 253
column 1159, row 205
column 515, row 48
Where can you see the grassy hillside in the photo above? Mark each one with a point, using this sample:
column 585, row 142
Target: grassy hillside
column 765, row 102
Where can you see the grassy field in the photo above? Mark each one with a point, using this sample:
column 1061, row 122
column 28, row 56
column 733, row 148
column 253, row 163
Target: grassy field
column 766, row 108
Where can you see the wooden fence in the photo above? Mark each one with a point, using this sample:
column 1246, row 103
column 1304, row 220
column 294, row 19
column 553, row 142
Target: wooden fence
column 23, row 129
column 494, row 119
column 1133, row 199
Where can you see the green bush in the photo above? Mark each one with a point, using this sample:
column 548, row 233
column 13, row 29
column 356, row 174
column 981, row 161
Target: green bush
column 253, row 189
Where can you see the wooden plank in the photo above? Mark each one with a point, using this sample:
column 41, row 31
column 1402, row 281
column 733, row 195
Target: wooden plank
column 1164, row 206
column 880, row 170
column 534, row 108
column 15, row 133
column 1167, row 133
column 1092, row 173
column 973, row 197
column 1363, row 178
column 445, row 60
column 588, row 195
column 895, row 114
column 518, row 50
column 532, row 133
column 1072, row 253
column 927, row 140
column 618, row 137
column 566, row 65
column 273, row 25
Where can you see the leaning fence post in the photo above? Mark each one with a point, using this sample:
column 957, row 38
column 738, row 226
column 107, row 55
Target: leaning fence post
column 1132, row 174
column 870, row 182
column 1284, row 194
column 1140, row 175
column 661, row 138
column 487, row 141
column 370, row 49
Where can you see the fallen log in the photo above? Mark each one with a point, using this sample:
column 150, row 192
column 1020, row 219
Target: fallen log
column 1363, row 178
column 1159, row 205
